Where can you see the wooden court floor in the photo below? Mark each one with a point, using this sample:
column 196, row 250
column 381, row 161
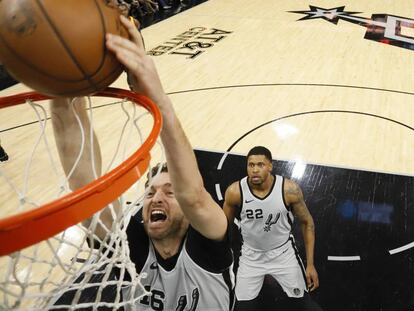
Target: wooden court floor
column 327, row 86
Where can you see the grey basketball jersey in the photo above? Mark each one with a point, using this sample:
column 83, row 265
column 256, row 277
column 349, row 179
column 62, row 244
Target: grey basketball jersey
column 266, row 223
column 189, row 286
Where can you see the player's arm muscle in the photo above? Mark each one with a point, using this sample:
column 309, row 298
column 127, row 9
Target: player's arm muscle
column 232, row 202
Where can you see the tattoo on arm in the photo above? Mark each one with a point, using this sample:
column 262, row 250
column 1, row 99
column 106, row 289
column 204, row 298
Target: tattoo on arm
column 293, row 193
column 302, row 213
column 298, row 205
column 294, row 190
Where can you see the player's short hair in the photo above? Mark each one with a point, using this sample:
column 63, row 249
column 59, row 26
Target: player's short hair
column 158, row 168
column 260, row 150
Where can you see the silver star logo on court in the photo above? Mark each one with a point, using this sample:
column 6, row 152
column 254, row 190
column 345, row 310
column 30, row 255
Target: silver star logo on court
column 383, row 28
column 331, row 15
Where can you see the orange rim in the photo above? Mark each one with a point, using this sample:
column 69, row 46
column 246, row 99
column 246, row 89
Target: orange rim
column 28, row 228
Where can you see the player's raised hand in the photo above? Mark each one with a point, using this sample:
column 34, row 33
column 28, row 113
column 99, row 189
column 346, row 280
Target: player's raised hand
column 141, row 68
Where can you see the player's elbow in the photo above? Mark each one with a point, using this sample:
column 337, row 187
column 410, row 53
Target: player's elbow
column 307, row 222
column 229, row 212
column 192, row 198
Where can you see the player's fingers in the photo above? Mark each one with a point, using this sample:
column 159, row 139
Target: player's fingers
column 129, row 60
column 134, row 34
column 135, row 22
column 309, row 281
column 116, row 43
column 315, row 280
column 123, row 51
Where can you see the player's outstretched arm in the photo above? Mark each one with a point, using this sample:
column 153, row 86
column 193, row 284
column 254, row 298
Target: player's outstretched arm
column 68, row 137
column 201, row 210
column 294, row 197
column 65, row 116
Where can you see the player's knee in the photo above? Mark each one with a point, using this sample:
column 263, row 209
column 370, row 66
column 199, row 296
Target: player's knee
column 247, row 305
column 305, row 303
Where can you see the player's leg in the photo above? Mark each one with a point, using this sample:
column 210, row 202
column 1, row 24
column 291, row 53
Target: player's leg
column 305, row 303
column 247, row 290
column 248, row 305
column 249, row 280
column 287, row 268
column 290, row 274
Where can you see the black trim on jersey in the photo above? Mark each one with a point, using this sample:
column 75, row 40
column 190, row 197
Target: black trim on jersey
column 209, row 255
column 168, row 263
column 139, row 246
column 270, row 190
column 282, row 244
column 239, row 218
column 302, row 268
column 283, row 195
column 213, row 256
column 138, row 241
column 289, row 209
column 290, row 221
column 227, row 280
column 241, row 202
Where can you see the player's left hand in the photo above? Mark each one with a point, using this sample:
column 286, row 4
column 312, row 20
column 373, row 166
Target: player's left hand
column 143, row 75
column 312, row 278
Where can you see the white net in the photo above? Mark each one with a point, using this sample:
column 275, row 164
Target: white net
column 87, row 266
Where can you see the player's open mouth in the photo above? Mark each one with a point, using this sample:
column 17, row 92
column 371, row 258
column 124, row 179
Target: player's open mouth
column 158, row 216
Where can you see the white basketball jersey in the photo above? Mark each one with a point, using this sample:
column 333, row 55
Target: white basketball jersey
column 266, row 223
column 189, row 287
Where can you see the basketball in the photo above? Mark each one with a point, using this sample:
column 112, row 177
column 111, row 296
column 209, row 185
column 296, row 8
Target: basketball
column 58, row 47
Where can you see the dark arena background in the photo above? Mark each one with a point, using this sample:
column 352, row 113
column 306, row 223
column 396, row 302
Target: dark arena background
column 360, row 218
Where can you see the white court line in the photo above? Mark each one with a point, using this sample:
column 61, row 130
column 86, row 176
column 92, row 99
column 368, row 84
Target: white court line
column 401, row 248
column 220, row 165
column 344, row 258
column 218, row 192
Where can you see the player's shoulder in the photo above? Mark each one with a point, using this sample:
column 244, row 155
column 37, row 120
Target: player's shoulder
column 233, row 193
column 290, row 184
column 234, row 187
column 292, row 191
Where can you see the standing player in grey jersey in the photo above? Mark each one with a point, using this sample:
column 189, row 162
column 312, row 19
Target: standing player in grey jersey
column 180, row 237
column 267, row 204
